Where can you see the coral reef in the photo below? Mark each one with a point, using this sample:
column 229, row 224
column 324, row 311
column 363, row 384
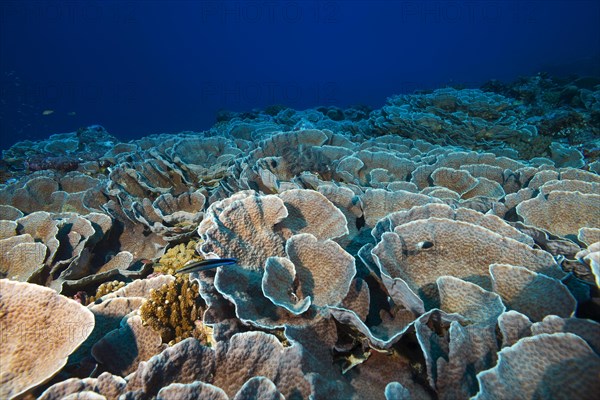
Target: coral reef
column 445, row 246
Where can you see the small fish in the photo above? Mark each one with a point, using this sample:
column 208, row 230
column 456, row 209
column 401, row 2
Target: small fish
column 47, row 112
column 425, row 245
column 206, row 265
column 71, row 113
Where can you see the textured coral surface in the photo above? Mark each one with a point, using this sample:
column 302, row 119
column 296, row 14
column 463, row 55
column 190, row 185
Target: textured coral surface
column 445, row 246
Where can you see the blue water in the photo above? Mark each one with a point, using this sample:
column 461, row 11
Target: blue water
column 139, row 68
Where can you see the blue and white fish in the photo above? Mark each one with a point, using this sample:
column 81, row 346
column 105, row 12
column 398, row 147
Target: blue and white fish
column 204, row 265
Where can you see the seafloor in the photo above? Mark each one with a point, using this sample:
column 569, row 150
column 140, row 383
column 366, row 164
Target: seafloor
column 445, row 246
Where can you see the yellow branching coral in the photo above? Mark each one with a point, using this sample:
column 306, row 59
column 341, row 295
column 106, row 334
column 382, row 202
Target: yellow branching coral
column 104, row 289
column 176, row 257
column 175, row 311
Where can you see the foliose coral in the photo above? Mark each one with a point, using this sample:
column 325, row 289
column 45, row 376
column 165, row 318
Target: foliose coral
column 37, row 322
column 441, row 247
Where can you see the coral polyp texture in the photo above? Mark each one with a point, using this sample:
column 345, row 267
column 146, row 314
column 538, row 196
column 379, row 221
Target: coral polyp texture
column 445, row 246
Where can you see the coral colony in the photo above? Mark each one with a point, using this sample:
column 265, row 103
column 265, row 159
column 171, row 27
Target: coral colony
column 445, row 246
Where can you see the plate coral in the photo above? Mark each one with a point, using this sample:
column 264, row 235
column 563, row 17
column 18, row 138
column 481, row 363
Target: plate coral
column 445, row 246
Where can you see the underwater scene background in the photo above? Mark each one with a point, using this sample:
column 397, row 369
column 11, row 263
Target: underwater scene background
column 147, row 67
column 298, row 199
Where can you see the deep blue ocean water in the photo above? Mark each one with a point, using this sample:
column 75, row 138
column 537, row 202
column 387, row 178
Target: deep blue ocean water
column 142, row 67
